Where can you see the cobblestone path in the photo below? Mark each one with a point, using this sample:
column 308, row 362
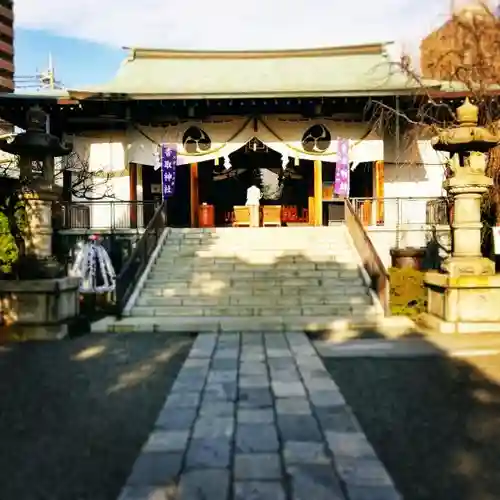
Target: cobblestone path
column 256, row 417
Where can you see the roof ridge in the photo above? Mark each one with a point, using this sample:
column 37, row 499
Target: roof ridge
column 379, row 48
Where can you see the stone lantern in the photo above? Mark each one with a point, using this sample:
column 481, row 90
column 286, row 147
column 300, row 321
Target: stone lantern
column 465, row 295
column 36, row 144
column 41, row 305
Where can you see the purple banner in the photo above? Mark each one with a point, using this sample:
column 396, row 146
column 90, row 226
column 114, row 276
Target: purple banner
column 342, row 168
column 168, row 168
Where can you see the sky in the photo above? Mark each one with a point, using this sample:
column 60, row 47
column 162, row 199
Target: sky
column 85, row 37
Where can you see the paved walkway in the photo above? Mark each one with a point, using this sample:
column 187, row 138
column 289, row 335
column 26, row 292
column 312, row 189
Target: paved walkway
column 256, row 417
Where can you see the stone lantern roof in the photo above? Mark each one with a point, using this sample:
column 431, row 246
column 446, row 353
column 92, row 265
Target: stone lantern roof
column 466, row 135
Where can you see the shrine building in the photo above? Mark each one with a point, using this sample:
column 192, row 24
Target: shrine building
column 237, row 118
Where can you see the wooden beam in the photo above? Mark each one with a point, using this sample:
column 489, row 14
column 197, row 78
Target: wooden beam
column 194, row 194
column 318, row 193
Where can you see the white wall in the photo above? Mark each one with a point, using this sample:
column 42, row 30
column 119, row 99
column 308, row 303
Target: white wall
column 412, row 177
column 106, row 157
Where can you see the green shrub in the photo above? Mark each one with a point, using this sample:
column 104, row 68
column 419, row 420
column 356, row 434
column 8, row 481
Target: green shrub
column 408, row 297
column 9, row 252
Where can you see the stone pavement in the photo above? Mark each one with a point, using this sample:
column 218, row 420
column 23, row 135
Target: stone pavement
column 256, row 417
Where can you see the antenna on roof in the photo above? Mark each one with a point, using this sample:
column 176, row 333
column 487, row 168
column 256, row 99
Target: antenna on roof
column 47, row 78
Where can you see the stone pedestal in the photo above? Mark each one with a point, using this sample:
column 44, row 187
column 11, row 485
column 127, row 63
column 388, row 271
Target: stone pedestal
column 465, row 304
column 38, row 309
column 465, row 297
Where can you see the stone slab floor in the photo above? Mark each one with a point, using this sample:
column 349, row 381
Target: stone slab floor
column 256, row 417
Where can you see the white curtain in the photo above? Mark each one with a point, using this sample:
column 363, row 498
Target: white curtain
column 281, row 134
column 226, row 136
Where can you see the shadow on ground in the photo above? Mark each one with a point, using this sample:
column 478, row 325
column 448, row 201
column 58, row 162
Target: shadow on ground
column 74, row 414
column 434, row 421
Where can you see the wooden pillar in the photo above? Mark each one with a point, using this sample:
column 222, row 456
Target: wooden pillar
column 318, row 193
column 140, row 196
column 310, row 208
column 194, row 194
column 379, row 191
column 132, row 178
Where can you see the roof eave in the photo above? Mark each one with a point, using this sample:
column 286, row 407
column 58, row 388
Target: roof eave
column 113, row 95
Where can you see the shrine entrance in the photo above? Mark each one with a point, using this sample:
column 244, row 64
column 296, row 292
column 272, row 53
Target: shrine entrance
column 255, row 164
column 300, row 189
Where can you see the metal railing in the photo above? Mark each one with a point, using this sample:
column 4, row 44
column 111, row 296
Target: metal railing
column 138, row 260
column 105, row 215
column 398, row 212
column 371, row 260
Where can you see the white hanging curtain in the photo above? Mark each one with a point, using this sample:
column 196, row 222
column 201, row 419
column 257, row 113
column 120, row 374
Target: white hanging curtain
column 195, row 141
column 216, row 139
column 285, row 136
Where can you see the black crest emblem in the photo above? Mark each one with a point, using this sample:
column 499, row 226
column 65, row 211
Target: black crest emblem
column 196, row 140
column 316, row 139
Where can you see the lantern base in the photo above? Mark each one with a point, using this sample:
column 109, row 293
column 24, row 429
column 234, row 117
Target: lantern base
column 468, row 266
column 462, row 304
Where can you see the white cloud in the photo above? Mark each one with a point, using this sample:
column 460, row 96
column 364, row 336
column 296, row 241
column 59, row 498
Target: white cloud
column 234, row 24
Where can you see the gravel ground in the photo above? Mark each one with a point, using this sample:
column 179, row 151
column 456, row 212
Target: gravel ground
column 435, row 422
column 74, row 414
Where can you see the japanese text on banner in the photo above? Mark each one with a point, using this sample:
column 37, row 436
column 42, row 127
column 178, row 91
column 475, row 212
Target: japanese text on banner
column 168, row 170
column 342, row 169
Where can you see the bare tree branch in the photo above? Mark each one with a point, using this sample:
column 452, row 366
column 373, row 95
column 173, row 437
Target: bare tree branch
column 86, row 183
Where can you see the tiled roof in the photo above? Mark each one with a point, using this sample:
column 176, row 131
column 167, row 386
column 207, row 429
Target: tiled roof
column 343, row 71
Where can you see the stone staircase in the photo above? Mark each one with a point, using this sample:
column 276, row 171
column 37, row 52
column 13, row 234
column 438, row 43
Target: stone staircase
column 253, row 279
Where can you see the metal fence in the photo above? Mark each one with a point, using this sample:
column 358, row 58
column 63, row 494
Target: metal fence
column 406, row 222
column 104, row 215
column 402, row 212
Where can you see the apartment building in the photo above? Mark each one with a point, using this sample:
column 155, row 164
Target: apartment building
column 6, row 45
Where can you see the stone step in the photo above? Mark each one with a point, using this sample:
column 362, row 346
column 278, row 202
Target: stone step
column 244, row 277
column 253, row 300
column 257, row 260
column 167, row 290
column 180, row 274
column 257, row 232
column 239, row 324
column 317, row 310
column 244, row 254
column 223, row 265
column 257, row 245
column 228, row 283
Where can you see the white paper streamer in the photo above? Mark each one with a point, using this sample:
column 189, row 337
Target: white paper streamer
column 91, row 257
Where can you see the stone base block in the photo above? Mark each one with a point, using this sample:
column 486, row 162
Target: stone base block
column 38, row 309
column 435, row 324
column 463, row 304
column 473, row 266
